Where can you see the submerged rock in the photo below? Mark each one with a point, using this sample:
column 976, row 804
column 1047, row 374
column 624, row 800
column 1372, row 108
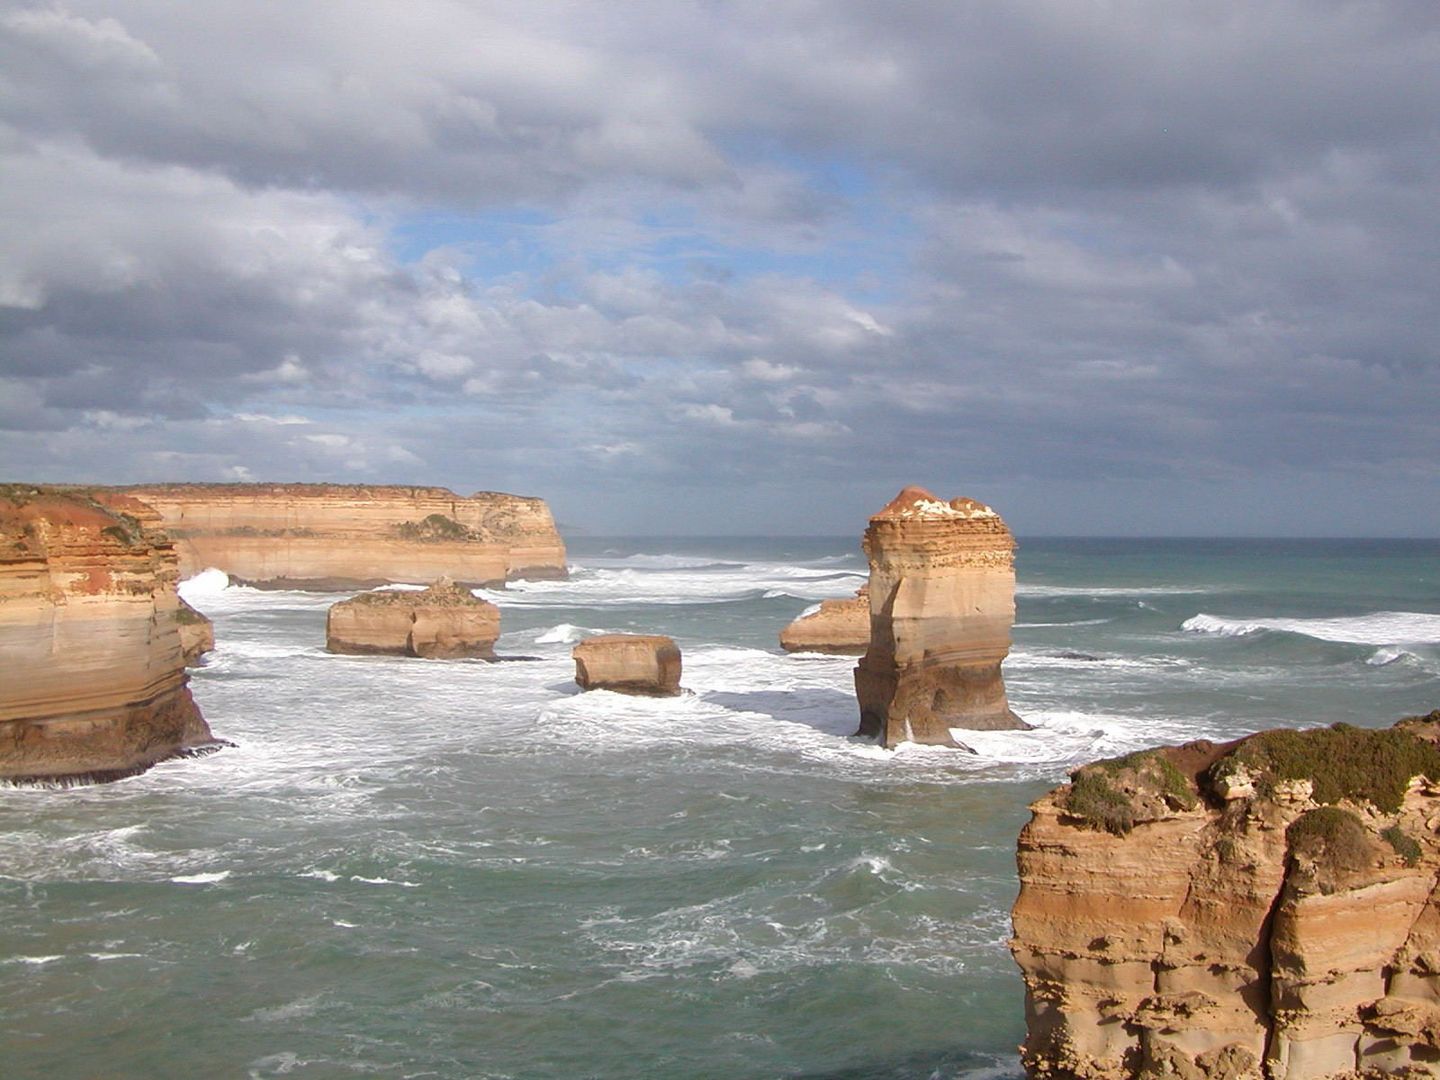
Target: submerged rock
column 1267, row 907
column 942, row 601
column 94, row 684
column 838, row 627
column 444, row 621
column 645, row 664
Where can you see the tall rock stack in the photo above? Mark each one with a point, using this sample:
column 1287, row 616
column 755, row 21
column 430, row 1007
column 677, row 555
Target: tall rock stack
column 94, row 684
column 942, row 601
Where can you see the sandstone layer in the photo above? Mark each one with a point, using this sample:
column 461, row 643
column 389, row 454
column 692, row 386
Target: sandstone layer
column 942, row 601
column 197, row 634
column 348, row 536
column 645, row 664
column 94, row 683
column 839, row 627
column 444, row 621
column 1266, row 908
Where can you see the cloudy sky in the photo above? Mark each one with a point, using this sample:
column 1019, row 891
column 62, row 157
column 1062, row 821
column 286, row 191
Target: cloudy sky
column 712, row 266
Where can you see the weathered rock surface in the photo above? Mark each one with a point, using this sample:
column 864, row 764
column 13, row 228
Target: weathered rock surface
column 348, row 536
column 94, row 684
column 646, row 664
column 444, row 621
column 839, row 627
column 1263, row 908
column 197, row 633
column 942, row 601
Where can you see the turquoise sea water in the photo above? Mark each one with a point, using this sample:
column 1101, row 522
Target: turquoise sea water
column 455, row 869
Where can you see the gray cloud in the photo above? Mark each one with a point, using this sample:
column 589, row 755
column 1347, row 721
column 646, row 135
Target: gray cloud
column 1042, row 253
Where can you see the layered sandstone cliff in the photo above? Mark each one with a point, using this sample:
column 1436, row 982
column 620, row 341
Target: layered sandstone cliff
column 837, row 627
column 444, row 621
column 347, row 536
column 94, row 683
column 1267, row 908
column 942, row 601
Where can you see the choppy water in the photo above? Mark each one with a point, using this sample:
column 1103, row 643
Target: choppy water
column 455, row 869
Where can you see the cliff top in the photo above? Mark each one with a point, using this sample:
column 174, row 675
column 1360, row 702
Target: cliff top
column 441, row 593
column 1363, row 767
column 916, row 504
column 316, row 490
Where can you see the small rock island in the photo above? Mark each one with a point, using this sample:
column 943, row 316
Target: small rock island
column 444, row 621
column 644, row 664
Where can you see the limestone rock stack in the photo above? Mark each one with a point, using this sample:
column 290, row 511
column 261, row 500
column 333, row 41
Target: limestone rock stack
column 94, row 683
column 348, row 536
column 838, row 627
column 1264, row 908
column 942, row 601
column 444, row 621
column 644, row 664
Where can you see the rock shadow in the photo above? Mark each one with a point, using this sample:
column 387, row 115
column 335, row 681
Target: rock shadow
column 830, row 711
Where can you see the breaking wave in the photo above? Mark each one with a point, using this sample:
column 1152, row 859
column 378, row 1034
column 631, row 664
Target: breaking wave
column 1377, row 628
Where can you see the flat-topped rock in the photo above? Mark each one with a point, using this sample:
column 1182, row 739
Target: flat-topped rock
column 838, row 627
column 444, row 621
column 348, row 536
column 645, row 664
column 94, row 684
column 942, row 601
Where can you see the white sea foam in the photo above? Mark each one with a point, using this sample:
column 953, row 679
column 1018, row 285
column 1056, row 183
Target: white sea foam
column 206, row 583
column 1027, row 589
column 564, row 634
column 1377, row 628
column 630, row 586
column 201, row 879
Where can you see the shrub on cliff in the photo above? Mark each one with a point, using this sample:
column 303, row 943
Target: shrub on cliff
column 433, row 529
column 1113, row 795
column 1341, row 762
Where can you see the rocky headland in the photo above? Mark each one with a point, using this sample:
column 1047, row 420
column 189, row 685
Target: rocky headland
column 837, row 627
column 1264, row 908
column 95, row 685
column 942, row 601
column 349, row 536
column 444, row 621
column 647, row 665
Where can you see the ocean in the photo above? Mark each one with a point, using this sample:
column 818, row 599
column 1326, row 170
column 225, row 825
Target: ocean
column 453, row 869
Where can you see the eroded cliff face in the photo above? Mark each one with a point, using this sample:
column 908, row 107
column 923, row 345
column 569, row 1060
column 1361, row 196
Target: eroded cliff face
column 1266, row 908
column 942, row 601
column 94, row 683
column 347, row 536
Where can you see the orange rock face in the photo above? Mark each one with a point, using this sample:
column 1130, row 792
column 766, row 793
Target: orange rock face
column 443, row 622
column 648, row 665
column 942, row 601
column 346, row 536
column 94, row 683
column 840, row 627
column 1266, row 908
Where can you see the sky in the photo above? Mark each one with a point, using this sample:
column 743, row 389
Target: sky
column 715, row 267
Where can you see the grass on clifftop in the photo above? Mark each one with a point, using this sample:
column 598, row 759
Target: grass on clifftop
column 1341, row 762
column 1104, row 795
